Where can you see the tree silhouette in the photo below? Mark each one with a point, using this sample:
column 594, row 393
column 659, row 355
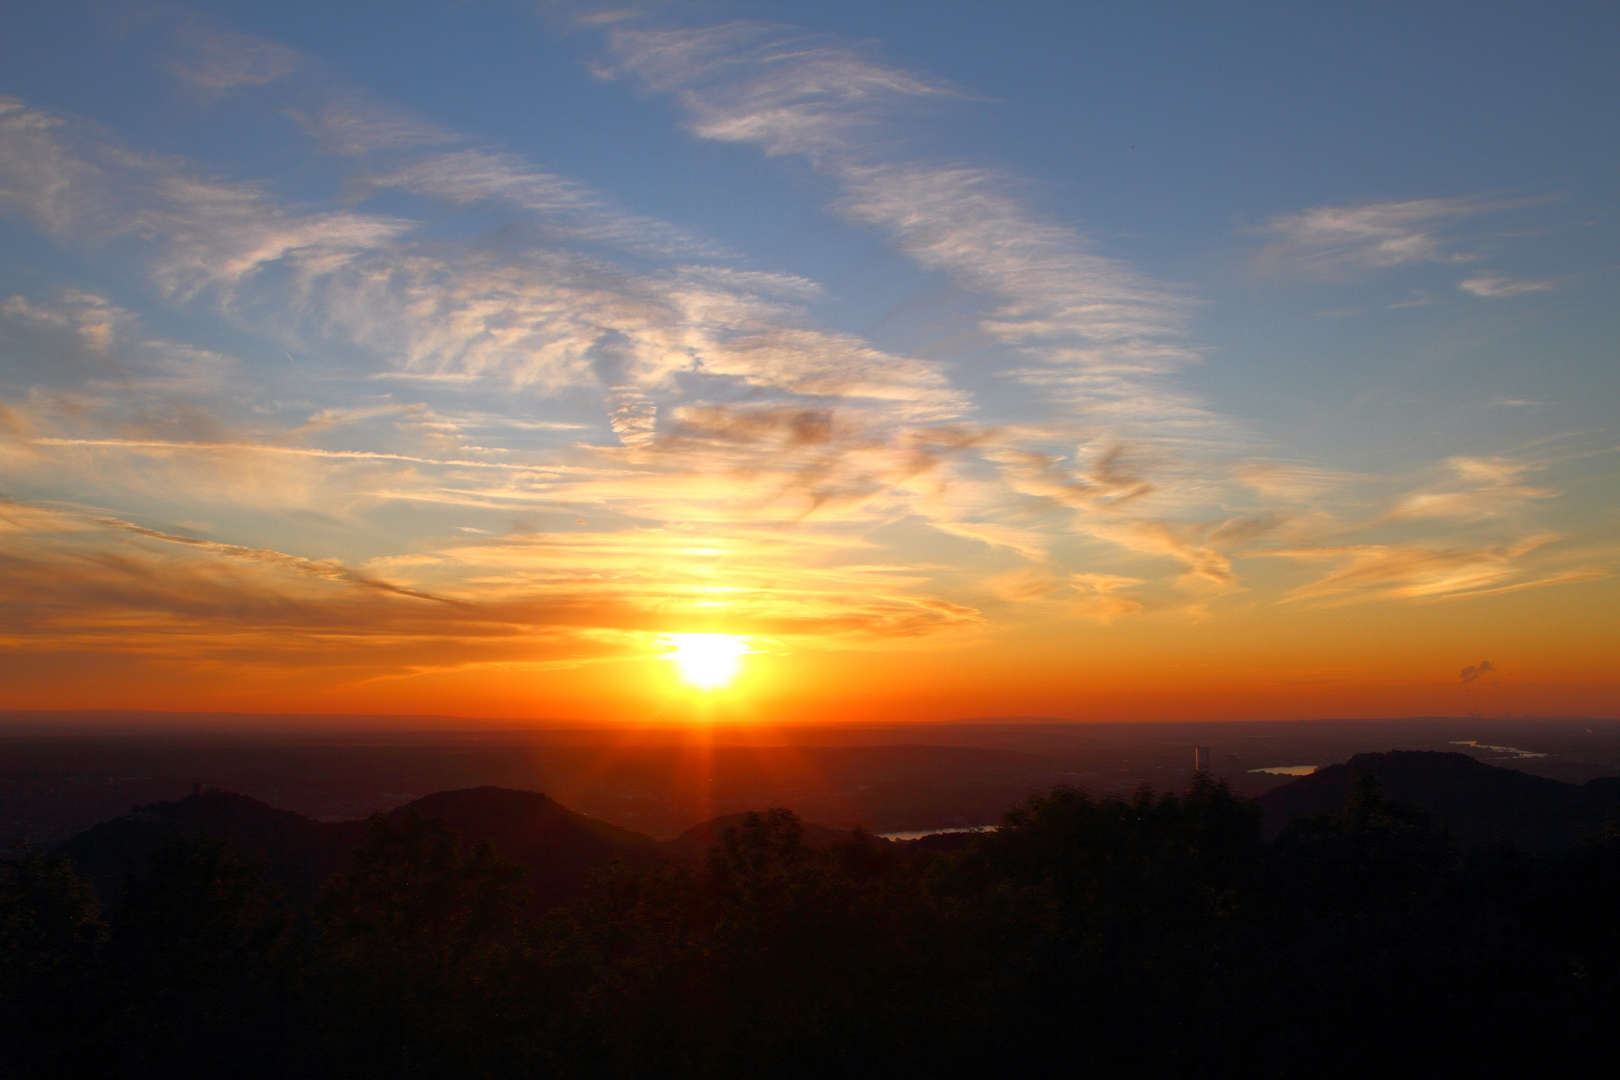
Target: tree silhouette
column 198, row 967
column 50, row 929
column 1154, row 934
column 413, row 934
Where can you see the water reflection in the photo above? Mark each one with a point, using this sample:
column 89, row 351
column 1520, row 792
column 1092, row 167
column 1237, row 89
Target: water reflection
column 1510, row 751
column 918, row 834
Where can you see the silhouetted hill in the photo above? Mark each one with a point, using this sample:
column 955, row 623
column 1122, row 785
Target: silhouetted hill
column 559, row 847
column 1605, row 790
column 299, row 852
column 689, row 847
column 1481, row 803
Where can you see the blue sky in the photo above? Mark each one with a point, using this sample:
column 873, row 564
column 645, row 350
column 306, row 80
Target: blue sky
column 447, row 338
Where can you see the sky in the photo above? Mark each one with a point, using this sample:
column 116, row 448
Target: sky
column 1106, row 362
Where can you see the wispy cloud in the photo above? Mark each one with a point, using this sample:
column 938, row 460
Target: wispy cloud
column 1496, row 287
column 790, row 92
column 204, row 233
column 349, row 122
column 824, row 420
column 1339, row 239
column 1094, row 342
column 40, row 177
column 470, row 176
column 1103, row 597
column 1077, row 311
column 1481, row 487
column 211, row 61
column 1293, row 481
column 1371, row 572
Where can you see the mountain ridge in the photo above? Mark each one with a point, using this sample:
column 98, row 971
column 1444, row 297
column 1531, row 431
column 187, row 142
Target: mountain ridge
column 560, row 848
column 1483, row 804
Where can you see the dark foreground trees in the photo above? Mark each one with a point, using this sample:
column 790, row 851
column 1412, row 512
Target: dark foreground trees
column 1150, row 936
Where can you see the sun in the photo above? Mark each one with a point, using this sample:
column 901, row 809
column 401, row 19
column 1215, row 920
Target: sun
column 708, row 661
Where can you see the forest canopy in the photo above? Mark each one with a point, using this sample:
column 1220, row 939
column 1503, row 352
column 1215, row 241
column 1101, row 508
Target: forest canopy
column 1152, row 935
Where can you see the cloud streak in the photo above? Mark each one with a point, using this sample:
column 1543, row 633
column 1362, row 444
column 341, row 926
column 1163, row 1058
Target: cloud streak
column 1337, row 240
column 575, row 211
column 1410, row 572
column 1496, row 287
column 795, row 94
column 212, row 62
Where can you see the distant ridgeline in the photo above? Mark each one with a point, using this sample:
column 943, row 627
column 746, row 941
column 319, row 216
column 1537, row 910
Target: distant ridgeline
column 1400, row 908
column 1482, row 805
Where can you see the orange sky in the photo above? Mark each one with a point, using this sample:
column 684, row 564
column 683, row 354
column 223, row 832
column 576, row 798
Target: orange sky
column 1549, row 652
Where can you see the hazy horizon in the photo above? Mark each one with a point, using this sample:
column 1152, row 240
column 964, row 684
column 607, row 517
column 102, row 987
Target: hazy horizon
column 159, row 721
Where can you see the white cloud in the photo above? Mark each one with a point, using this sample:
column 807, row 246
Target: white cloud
column 1091, row 340
column 809, row 96
column 217, row 235
column 670, row 352
column 1495, row 286
column 469, row 176
column 40, row 176
column 1488, row 487
column 790, row 92
column 216, row 61
column 1105, row 447
column 203, row 232
column 1430, row 571
column 1337, row 239
column 1051, row 290
column 349, row 122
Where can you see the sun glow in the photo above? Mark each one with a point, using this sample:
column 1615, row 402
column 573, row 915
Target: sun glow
column 707, row 661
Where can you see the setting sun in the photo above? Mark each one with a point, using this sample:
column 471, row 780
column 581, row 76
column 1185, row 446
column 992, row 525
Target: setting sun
column 708, row 661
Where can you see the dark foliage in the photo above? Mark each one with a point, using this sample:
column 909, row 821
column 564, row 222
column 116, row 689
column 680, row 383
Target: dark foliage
column 198, row 975
column 412, row 942
column 1158, row 935
column 50, row 938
